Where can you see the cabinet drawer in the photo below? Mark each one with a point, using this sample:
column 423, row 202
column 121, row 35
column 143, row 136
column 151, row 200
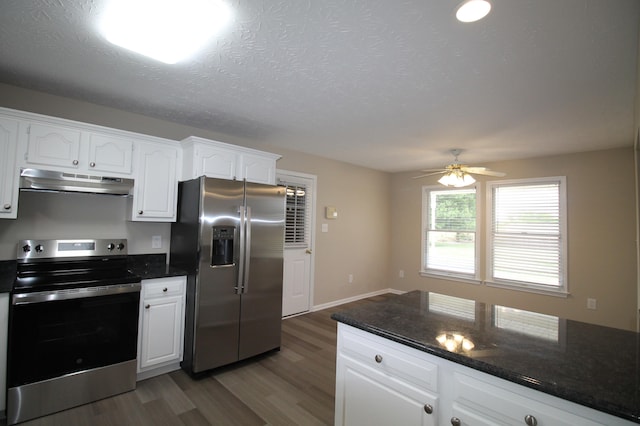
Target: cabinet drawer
column 162, row 287
column 390, row 358
column 478, row 402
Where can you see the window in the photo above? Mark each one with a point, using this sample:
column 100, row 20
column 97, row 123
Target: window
column 449, row 231
column 526, row 240
column 297, row 215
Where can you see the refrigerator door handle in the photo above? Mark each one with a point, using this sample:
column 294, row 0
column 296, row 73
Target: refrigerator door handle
column 247, row 250
column 241, row 258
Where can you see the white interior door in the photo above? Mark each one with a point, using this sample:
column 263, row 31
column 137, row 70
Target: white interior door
column 298, row 243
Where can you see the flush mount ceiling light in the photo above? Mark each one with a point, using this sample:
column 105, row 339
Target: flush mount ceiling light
column 473, row 10
column 166, row 30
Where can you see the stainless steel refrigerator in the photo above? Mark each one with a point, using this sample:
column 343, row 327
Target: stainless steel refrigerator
column 229, row 237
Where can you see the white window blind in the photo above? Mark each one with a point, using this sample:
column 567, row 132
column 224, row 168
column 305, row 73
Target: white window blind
column 527, row 232
column 449, row 231
column 297, row 215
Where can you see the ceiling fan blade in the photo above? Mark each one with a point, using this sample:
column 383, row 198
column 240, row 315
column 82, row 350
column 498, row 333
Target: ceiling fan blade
column 434, row 170
column 430, row 174
column 482, row 171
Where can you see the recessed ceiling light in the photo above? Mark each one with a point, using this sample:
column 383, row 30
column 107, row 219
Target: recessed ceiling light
column 473, row 10
column 166, row 30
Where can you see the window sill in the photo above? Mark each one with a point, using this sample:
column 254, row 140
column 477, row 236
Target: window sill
column 450, row 277
column 528, row 288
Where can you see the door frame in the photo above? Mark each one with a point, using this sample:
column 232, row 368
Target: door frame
column 284, row 174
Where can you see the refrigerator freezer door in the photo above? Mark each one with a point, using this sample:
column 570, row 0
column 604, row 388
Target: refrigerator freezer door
column 261, row 313
column 217, row 309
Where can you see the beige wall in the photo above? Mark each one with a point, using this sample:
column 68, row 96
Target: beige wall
column 357, row 242
column 601, row 238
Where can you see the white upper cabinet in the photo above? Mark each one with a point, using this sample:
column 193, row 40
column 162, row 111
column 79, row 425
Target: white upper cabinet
column 8, row 173
column 203, row 157
column 49, row 145
column 62, row 148
column 156, row 183
column 110, row 154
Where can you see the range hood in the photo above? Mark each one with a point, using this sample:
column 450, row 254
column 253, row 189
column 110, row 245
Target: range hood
column 46, row 180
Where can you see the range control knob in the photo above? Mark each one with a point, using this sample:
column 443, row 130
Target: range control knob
column 111, row 246
column 39, row 248
column 26, row 248
column 120, row 246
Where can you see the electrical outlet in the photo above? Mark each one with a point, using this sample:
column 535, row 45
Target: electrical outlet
column 401, row 273
column 156, row 241
column 592, row 303
column 350, row 278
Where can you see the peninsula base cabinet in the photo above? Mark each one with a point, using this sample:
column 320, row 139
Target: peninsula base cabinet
column 161, row 326
column 382, row 382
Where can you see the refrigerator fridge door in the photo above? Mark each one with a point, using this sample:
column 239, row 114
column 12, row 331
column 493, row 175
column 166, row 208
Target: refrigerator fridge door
column 217, row 307
column 261, row 312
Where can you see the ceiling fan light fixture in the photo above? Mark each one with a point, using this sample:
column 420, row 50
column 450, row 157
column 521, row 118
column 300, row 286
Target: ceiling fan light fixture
column 456, row 179
column 166, row 30
column 473, row 10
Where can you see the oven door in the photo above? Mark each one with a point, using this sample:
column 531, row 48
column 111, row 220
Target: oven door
column 52, row 334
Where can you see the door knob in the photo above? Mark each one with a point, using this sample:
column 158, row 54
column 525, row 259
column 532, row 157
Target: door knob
column 308, row 251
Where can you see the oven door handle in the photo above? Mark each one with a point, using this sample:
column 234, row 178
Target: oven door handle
column 73, row 293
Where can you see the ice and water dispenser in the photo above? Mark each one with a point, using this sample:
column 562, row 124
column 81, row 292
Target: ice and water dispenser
column 222, row 245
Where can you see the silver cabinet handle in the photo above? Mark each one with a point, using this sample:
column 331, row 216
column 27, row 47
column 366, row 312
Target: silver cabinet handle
column 75, row 162
column 428, row 408
column 455, row 421
column 7, row 206
column 378, row 358
column 92, row 164
column 530, row 420
column 147, row 306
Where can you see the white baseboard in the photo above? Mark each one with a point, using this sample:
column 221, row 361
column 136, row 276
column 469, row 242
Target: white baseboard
column 354, row 298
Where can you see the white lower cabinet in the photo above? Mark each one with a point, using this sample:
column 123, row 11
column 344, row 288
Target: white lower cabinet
column 381, row 382
column 161, row 326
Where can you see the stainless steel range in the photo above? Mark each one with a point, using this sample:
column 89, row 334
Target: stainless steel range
column 73, row 326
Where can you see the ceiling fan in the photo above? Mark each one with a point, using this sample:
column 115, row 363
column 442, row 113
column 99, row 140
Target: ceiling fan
column 458, row 175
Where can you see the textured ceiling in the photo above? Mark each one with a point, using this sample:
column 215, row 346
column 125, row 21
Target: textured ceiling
column 388, row 84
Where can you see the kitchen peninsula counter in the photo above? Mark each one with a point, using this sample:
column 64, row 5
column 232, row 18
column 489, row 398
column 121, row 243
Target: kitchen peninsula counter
column 591, row 365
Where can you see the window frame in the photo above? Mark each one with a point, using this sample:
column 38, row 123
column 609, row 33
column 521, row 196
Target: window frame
column 443, row 274
column 563, row 289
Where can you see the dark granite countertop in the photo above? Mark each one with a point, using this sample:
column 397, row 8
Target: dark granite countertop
column 591, row 365
column 7, row 275
column 150, row 266
column 146, row 266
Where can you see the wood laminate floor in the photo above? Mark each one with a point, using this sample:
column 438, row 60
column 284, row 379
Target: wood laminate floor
column 294, row 386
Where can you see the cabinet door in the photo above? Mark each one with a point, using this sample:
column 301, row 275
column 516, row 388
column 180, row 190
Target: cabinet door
column 215, row 162
column 156, row 185
column 368, row 397
column 8, row 172
column 161, row 331
column 53, row 146
column 257, row 169
column 110, row 154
